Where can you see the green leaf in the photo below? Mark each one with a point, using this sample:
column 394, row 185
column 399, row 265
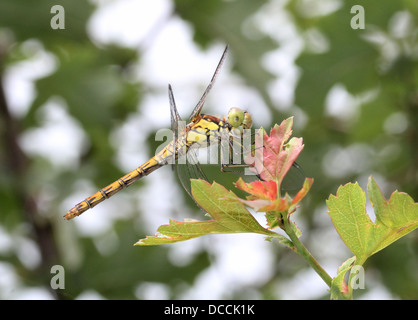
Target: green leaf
column 228, row 213
column 394, row 218
column 180, row 231
column 223, row 21
column 397, row 217
column 348, row 214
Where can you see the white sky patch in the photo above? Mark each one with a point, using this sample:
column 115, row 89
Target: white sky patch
column 28, row 252
column 6, row 241
column 98, row 221
column 306, row 284
column 401, row 24
column 152, row 291
column 282, row 88
column 241, row 260
column 340, row 103
column 19, row 77
column 396, row 123
column 60, row 139
column 339, row 161
column 313, row 8
column 183, row 253
column 174, row 59
column 126, row 22
column 315, row 41
column 90, row 295
column 159, row 200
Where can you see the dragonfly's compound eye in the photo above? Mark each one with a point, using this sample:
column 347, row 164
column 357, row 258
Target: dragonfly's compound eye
column 235, row 117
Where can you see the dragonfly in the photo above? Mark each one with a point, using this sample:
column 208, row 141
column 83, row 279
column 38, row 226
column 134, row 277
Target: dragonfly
column 199, row 132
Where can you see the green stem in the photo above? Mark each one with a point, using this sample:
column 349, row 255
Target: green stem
column 301, row 250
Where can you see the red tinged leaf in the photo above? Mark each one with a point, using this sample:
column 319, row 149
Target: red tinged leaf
column 259, row 189
column 263, row 196
column 228, row 212
column 271, row 162
column 302, row 192
column 276, row 157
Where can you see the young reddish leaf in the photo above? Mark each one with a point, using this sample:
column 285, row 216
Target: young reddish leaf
column 259, row 189
column 275, row 159
column 339, row 288
column 302, row 192
column 263, row 196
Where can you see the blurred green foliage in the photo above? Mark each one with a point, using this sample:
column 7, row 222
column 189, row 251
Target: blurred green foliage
column 95, row 84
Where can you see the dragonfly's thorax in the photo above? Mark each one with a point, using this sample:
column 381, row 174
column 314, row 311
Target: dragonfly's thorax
column 200, row 133
column 205, row 130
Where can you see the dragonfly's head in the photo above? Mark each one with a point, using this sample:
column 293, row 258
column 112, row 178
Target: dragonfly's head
column 239, row 119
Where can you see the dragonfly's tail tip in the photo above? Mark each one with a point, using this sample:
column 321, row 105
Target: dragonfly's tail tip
column 71, row 214
column 67, row 216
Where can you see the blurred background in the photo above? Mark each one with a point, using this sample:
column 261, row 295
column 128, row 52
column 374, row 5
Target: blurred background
column 80, row 107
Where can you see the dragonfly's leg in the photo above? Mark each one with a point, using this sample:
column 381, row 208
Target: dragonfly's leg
column 228, row 166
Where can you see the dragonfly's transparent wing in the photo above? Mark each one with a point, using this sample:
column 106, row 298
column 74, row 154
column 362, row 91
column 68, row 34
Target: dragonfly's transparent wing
column 190, row 170
column 198, row 108
column 175, row 117
column 187, row 165
column 294, row 179
column 177, row 125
